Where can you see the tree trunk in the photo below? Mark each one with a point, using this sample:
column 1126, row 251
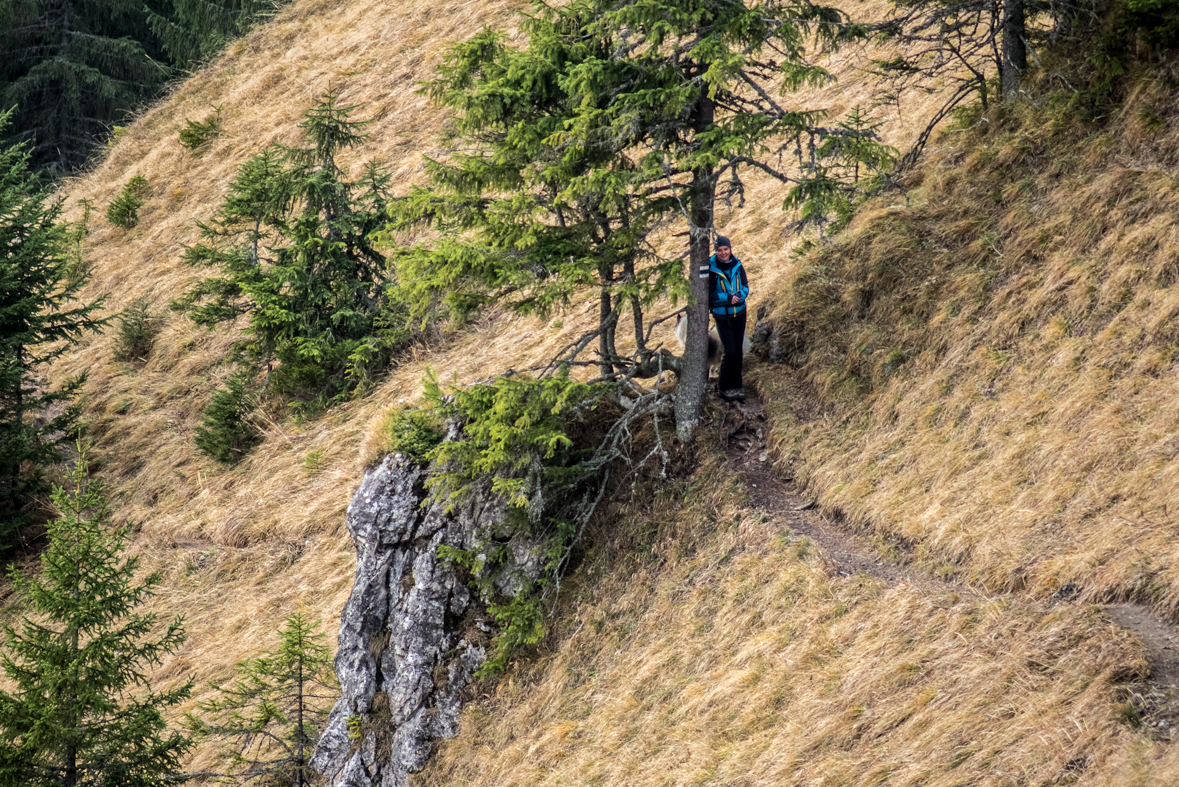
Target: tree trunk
column 69, row 755
column 636, row 308
column 690, row 388
column 1014, row 56
column 302, row 759
column 606, row 328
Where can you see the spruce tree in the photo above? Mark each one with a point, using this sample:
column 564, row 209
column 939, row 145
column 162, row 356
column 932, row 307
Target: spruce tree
column 620, row 116
column 226, row 432
column 528, row 221
column 72, row 67
column 695, row 88
column 39, row 320
column 293, row 249
column 78, row 712
column 270, row 716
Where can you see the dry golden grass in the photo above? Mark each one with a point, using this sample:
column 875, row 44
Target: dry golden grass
column 1028, row 436
column 738, row 662
column 748, row 662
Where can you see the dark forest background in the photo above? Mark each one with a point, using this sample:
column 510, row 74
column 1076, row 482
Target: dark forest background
column 74, row 69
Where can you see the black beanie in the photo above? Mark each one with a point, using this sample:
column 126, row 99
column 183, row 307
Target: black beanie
column 721, row 240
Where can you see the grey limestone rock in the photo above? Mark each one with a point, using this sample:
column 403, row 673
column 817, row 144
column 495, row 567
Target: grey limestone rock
column 402, row 660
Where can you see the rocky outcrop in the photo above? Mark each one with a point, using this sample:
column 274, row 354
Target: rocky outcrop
column 780, row 342
column 411, row 634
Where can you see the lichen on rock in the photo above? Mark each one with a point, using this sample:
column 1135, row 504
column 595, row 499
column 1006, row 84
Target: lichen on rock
column 411, row 635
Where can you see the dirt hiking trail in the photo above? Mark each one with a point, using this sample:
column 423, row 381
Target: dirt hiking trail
column 743, row 427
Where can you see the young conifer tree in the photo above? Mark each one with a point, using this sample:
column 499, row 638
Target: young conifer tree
column 40, row 319
column 270, row 716
column 619, row 116
column 227, row 432
column 292, row 246
column 78, row 711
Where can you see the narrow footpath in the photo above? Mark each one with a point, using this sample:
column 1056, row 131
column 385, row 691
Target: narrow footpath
column 849, row 553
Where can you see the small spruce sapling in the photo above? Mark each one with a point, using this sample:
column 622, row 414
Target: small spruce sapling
column 138, row 327
column 196, row 133
column 78, row 709
column 227, row 432
column 124, row 210
column 78, row 267
column 270, row 716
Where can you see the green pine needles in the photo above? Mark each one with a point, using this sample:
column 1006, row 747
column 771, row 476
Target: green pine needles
column 138, row 326
column 196, row 133
column 124, row 210
column 192, row 32
column 227, row 431
column 77, row 710
column 544, row 444
column 413, row 433
column 292, row 253
column 613, row 120
column 519, row 431
column 270, row 716
column 40, row 318
column 71, row 69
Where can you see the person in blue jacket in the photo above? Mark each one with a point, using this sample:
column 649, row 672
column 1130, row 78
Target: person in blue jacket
column 728, row 288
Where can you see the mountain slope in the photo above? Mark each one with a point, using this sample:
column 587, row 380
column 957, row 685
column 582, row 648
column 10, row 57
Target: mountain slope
column 721, row 652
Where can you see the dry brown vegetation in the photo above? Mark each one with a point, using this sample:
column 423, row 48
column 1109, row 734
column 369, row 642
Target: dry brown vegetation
column 731, row 658
column 993, row 354
column 735, row 655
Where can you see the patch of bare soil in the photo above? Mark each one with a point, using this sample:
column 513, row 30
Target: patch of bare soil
column 1157, row 700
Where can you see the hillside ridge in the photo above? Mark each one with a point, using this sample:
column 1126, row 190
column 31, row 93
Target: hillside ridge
column 697, row 643
column 849, row 553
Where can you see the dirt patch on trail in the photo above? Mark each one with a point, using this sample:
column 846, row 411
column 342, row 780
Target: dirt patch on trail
column 850, row 553
column 1159, row 699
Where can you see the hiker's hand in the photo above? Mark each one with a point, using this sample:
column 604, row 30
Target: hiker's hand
column 733, row 300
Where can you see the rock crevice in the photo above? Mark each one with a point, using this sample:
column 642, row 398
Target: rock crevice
column 410, row 635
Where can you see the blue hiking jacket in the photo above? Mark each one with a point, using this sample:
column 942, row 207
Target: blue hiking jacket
column 724, row 281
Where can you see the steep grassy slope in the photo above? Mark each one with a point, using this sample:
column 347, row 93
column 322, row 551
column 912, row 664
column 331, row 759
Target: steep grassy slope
column 994, row 355
column 723, row 695
column 736, row 655
column 244, row 547
column 980, row 376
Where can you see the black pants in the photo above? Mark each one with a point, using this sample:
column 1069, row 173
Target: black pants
column 732, row 336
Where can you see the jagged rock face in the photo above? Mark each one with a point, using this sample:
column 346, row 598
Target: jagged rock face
column 402, row 661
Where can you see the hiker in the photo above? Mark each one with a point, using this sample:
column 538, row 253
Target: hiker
column 728, row 287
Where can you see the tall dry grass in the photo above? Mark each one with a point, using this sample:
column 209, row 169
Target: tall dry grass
column 244, row 547
column 745, row 659
column 994, row 355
